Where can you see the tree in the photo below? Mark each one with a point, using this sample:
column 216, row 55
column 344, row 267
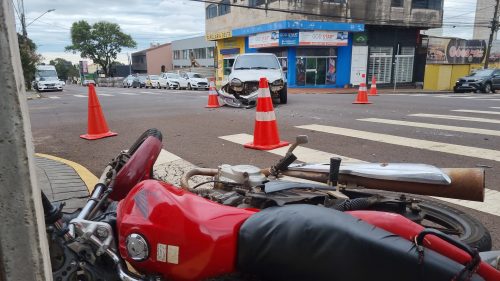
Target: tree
column 64, row 68
column 101, row 42
column 29, row 59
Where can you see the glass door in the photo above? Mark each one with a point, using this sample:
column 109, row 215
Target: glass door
column 311, row 71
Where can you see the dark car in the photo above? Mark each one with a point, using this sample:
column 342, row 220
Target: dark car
column 484, row 80
column 139, row 81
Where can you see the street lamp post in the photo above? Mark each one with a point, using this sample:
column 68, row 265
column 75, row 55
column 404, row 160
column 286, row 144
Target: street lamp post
column 24, row 25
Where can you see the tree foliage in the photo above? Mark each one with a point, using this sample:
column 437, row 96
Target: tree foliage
column 29, row 59
column 64, row 68
column 100, row 42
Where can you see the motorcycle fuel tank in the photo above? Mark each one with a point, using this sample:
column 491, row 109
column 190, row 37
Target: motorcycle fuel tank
column 167, row 231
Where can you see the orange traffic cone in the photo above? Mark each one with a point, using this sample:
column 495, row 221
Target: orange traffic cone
column 213, row 100
column 373, row 87
column 362, row 97
column 265, row 135
column 97, row 127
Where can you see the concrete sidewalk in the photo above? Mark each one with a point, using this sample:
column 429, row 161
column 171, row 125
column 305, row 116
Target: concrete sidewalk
column 61, row 182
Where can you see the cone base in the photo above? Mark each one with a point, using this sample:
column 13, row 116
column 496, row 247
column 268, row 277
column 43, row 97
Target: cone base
column 357, row 102
column 370, row 95
column 266, row 147
column 98, row 136
column 212, row 106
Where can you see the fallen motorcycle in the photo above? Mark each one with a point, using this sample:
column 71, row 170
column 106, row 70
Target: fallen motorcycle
column 134, row 223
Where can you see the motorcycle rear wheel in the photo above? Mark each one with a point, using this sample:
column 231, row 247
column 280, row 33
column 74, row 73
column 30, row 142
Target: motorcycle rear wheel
column 448, row 220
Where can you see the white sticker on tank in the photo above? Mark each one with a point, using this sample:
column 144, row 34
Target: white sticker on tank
column 173, row 254
column 161, row 252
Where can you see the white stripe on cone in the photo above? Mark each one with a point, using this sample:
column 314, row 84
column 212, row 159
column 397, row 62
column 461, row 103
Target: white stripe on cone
column 362, row 89
column 265, row 116
column 264, row 93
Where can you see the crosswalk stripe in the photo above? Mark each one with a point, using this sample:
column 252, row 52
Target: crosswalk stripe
column 394, row 94
column 456, row 117
column 477, row 111
column 494, row 107
column 106, row 95
column 54, row 97
column 488, row 154
column 303, row 153
column 433, row 126
column 129, row 94
column 490, row 204
column 80, row 96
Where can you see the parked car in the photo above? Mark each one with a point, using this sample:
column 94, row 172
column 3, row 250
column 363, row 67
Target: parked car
column 87, row 82
column 127, row 82
column 195, row 80
column 153, row 81
column 241, row 88
column 142, row 81
column 46, row 79
column 484, row 80
column 172, row 81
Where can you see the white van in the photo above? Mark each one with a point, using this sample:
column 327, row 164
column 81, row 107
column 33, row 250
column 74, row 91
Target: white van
column 46, row 79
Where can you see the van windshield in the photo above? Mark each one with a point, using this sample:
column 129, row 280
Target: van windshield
column 47, row 73
column 256, row 62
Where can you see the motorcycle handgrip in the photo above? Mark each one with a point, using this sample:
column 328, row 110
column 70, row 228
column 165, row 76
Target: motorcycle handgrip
column 285, row 162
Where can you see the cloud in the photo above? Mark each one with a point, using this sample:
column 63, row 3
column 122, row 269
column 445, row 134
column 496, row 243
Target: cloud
column 151, row 21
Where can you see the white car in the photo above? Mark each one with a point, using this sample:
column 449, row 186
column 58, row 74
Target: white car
column 172, row 81
column 128, row 81
column 242, row 86
column 87, row 82
column 195, row 80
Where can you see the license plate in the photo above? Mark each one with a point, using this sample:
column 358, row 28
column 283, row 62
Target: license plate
column 465, row 84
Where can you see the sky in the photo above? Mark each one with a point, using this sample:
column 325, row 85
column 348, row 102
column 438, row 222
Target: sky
column 155, row 21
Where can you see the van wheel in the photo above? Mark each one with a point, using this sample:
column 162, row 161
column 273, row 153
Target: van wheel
column 284, row 95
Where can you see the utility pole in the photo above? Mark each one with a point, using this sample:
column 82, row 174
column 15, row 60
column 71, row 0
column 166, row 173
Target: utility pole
column 494, row 28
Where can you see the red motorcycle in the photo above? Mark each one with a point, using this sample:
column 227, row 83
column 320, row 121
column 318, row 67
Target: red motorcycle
column 136, row 228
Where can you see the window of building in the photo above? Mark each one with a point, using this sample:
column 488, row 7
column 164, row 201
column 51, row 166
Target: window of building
column 380, row 64
column 200, row 53
column 211, row 11
column 177, row 54
column 334, row 1
column 403, row 72
column 228, row 64
column 224, row 7
column 255, row 3
column 427, row 4
column 397, row 3
column 185, row 54
column 210, row 52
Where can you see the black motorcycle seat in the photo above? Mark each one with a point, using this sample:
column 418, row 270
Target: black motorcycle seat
column 305, row 242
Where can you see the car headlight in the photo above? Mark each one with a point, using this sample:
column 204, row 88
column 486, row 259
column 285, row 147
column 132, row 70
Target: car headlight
column 236, row 85
column 277, row 85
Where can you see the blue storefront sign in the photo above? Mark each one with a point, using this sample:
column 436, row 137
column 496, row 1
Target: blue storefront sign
column 289, row 38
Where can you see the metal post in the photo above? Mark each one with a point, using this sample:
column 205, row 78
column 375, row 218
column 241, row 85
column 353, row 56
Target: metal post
column 395, row 69
column 24, row 253
column 494, row 28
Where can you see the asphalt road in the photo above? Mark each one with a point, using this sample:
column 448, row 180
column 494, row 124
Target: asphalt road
column 193, row 132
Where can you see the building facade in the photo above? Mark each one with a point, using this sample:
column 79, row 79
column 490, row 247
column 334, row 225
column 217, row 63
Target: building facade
column 326, row 43
column 159, row 59
column 139, row 62
column 485, row 10
column 193, row 52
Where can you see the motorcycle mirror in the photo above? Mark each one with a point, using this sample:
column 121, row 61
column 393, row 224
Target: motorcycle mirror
column 302, row 139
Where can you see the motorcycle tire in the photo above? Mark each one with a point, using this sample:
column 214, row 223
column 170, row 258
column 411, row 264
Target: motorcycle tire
column 471, row 231
column 151, row 132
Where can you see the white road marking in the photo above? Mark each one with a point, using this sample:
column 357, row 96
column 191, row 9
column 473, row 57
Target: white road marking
column 495, row 107
column 303, row 154
column 394, row 94
column 54, row 97
column 462, row 150
column 456, row 117
column 129, row 94
column 477, row 111
column 433, row 126
column 80, row 96
column 146, row 92
column 490, row 204
column 106, row 95
column 419, row 95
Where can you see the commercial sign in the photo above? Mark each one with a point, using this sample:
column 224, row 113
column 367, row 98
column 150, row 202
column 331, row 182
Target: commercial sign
column 266, row 39
column 323, row 38
column 289, row 37
column 83, row 67
column 455, row 51
column 298, row 38
column 218, row 35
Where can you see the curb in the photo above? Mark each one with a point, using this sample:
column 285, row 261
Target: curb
column 88, row 178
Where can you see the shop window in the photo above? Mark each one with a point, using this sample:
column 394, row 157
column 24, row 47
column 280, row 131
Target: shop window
column 211, row 11
column 228, row 64
column 403, row 72
column 313, row 71
column 200, row 53
column 224, row 7
column 316, row 52
column 380, row 64
column 397, row 3
column 427, row 4
column 255, row 3
column 177, row 54
column 185, row 54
